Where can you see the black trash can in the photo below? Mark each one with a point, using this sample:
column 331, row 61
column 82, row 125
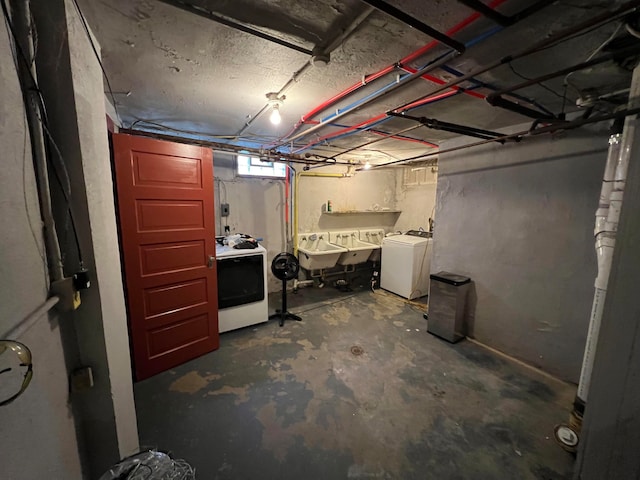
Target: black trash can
column 447, row 304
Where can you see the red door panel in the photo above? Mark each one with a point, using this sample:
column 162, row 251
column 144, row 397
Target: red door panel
column 165, row 205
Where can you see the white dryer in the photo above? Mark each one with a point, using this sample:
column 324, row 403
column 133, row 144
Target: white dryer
column 406, row 260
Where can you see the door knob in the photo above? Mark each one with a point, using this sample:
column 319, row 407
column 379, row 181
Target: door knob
column 211, row 260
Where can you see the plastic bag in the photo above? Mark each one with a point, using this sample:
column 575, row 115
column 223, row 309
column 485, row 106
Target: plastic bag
column 150, row 465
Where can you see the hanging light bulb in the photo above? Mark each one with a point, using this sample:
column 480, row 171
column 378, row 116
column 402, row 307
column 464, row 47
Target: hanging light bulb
column 275, row 114
column 367, row 166
column 275, row 102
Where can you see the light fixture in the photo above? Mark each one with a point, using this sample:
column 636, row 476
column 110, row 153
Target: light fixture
column 275, row 103
column 367, row 166
column 275, row 115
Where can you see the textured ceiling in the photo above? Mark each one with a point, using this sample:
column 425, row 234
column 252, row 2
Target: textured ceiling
column 173, row 70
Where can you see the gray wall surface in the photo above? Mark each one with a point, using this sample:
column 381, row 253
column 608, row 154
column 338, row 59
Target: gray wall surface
column 365, row 192
column 518, row 219
column 415, row 197
column 37, row 431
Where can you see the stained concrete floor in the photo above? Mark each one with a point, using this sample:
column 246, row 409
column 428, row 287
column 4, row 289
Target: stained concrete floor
column 357, row 390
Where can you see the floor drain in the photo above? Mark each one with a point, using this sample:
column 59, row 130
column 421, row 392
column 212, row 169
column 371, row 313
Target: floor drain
column 356, row 350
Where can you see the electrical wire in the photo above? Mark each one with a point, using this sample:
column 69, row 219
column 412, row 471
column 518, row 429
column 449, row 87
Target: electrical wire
column 591, row 56
column 95, row 52
column 42, row 118
column 66, row 192
column 524, row 77
column 24, row 193
column 180, row 130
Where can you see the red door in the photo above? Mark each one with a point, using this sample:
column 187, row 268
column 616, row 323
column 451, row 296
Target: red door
column 166, row 210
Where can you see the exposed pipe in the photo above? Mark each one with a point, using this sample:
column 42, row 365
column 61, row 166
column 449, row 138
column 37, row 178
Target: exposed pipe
column 501, row 19
column 498, row 101
column 606, row 227
column 27, row 73
column 371, row 142
column 202, row 12
column 287, row 184
column 548, row 42
column 374, row 121
column 521, row 134
column 415, row 23
column 390, row 87
column 30, row 320
column 439, row 81
column 367, row 124
column 366, row 80
column 618, row 54
column 403, row 81
column 225, row 147
column 452, row 127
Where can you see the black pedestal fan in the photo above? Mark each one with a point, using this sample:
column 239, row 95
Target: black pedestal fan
column 285, row 267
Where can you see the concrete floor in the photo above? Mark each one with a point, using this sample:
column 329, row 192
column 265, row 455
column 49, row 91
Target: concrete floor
column 357, row 390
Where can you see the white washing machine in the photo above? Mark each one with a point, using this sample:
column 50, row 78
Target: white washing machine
column 406, row 260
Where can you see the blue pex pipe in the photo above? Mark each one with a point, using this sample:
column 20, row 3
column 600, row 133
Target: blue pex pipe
column 364, row 99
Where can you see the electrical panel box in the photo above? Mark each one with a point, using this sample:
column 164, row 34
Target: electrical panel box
column 224, row 210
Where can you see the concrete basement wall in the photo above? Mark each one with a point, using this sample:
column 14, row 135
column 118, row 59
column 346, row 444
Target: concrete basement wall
column 416, row 197
column 518, row 219
column 361, row 192
column 37, row 431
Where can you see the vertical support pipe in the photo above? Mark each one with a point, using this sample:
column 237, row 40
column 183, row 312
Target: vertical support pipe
column 21, row 19
column 606, row 227
column 286, row 207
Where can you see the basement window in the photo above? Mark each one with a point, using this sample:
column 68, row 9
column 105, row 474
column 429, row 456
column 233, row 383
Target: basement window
column 254, row 167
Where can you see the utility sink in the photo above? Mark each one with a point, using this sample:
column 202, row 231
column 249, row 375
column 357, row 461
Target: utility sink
column 375, row 236
column 316, row 253
column 358, row 251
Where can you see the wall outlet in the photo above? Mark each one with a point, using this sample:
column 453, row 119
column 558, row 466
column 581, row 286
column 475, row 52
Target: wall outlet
column 224, row 210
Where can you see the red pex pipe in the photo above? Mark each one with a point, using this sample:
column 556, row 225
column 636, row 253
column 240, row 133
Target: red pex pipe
column 408, row 59
column 431, row 99
column 439, row 81
column 343, row 130
column 370, row 121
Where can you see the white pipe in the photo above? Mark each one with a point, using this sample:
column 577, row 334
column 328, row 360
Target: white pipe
column 607, row 217
column 607, row 183
column 301, row 283
column 31, row 319
column 22, row 23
